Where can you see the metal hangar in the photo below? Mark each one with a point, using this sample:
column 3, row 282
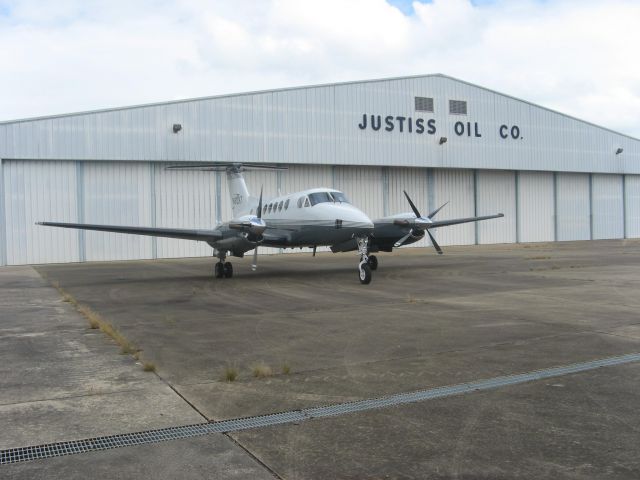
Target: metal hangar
column 442, row 139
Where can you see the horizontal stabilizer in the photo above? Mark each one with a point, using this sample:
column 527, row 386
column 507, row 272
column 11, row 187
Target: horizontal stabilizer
column 227, row 166
column 203, row 235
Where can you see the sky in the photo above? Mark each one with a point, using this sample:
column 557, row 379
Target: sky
column 575, row 56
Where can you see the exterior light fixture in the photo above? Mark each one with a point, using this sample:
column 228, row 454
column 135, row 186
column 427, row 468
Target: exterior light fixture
column 619, row 151
column 442, row 140
column 176, row 127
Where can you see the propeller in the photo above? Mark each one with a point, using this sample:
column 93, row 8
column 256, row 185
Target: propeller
column 419, row 224
column 254, row 263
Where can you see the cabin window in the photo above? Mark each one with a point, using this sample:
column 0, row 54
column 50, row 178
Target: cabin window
column 280, row 205
column 286, row 204
column 320, row 197
column 269, row 208
column 306, row 202
column 300, row 202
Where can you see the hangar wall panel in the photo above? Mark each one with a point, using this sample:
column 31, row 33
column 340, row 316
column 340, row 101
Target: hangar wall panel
column 414, row 181
column 183, row 199
column 536, row 207
column 363, row 186
column 39, row 191
column 117, row 193
column 607, row 204
column 572, row 194
column 632, row 191
column 457, row 188
column 496, row 193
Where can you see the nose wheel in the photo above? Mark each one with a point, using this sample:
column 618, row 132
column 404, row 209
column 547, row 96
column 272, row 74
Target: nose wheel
column 365, row 267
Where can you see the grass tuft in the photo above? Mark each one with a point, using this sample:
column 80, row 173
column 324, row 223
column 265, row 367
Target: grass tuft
column 261, row 371
column 97, row 322
column 230, row 374
column 148, row 366
column 411, row 299
column 286, row 369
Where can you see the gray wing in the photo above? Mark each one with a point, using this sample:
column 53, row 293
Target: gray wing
column 456, row 221
column 203, row 235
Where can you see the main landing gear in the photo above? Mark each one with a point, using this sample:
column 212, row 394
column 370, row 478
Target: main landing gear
column 366, row 263
column 223, row 269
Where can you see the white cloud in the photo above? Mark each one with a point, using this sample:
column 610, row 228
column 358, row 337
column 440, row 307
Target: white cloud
column 576, row 56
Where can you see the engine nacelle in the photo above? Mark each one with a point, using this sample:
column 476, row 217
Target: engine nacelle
column 249, row 225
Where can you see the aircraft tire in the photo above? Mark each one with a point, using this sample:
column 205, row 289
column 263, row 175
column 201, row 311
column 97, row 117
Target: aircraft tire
column 364, row 273
column 373, row 262
column 228, row 270
column 218, row 271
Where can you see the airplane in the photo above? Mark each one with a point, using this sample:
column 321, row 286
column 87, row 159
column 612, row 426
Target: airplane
column 309, row 218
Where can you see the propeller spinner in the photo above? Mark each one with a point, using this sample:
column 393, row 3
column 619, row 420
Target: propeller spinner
column 420, row 224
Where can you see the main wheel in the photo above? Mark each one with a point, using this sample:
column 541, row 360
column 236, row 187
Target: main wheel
column 373, row 262
column 228, row 270
column 365, row 274
column 219, row 270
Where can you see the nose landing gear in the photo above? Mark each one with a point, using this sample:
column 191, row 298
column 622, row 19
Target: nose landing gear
column 365, row 267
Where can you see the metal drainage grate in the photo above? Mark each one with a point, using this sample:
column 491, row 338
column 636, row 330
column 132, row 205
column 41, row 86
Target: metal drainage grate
column 22, row 454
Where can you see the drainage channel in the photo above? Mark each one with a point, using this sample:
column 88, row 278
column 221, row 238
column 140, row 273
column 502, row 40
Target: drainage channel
column 22, row 454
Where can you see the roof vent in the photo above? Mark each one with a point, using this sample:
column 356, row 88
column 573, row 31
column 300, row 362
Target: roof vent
column 457, row 107
column 424, row 104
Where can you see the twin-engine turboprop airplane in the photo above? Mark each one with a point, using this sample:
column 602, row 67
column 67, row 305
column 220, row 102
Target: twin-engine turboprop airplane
column 309, row 218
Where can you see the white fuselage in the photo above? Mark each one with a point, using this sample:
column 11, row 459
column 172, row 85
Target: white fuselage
column 318, row 216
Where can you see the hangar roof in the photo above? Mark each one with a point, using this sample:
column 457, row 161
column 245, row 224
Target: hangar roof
column 323, row 124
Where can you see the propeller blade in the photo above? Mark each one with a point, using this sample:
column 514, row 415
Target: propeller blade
column 254, row 263
column 413, row 207
column 433, row 214
column 402, row 240
column 259, row 210
column 435, row 244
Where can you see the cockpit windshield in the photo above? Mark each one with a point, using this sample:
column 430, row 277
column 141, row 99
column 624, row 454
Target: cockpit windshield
column 339, row 197
column 327, row 197
column 320, row 197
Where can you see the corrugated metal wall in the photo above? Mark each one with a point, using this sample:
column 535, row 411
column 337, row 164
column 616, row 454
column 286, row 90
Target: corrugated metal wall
column 496, row 192
column 573, row 210
column 607, row 204
column 632, row 192
column 117, row 193
column 364, row 187
column 146, row 194
column 36, row 191
column 183, row 199
column 536, row 207
column 457, row 188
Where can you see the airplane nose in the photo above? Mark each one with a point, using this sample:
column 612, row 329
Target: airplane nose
column 361, row 220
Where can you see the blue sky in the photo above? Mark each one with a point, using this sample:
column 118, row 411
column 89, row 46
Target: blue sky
column 73, row 55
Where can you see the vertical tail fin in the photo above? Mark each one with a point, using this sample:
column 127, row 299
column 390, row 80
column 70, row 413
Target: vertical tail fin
column 241, row 202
